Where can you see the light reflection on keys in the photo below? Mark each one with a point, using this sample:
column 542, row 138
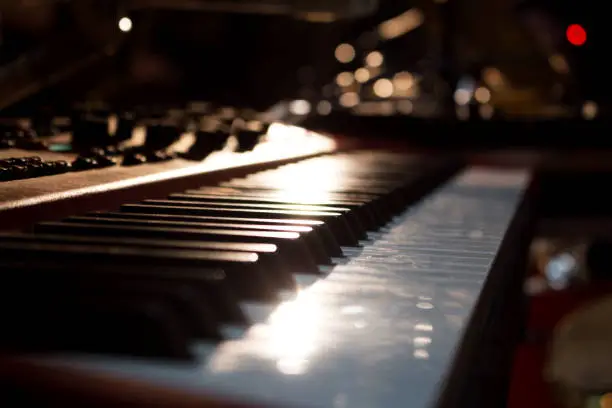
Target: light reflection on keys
column 379, row 330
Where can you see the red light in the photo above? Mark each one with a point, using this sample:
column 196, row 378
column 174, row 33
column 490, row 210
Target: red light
column 576, row 35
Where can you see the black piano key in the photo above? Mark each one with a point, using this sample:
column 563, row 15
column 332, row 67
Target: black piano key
column 370, row 219
column 277, row 266
column 270, row 258
column 196, row 316
column 142, row 326
column 245, row 276
column 338, row 226
column 308, row 235
column 325, row 234
column 188, row 311
column 298, row 254
column 212, row 286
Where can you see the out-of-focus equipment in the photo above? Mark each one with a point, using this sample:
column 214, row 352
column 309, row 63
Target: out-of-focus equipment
column 315, row 11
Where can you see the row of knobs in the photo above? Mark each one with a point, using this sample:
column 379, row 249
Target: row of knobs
column 25, row 139
column 99, row 148
column 29, row 167
column 19, row 168
column 92, row 132
column 162, row 130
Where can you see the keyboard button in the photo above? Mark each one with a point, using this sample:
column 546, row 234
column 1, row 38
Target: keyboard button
column 6, row 173
column 158, row 156
column 133, row 159
column 59, row 166
column 21, row 172
column 84, row 163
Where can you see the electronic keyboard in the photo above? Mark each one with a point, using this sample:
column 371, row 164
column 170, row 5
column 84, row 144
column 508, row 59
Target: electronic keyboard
column 354, row 278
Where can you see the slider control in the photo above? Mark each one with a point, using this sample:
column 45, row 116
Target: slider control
column 90, row 129
column 248, row 135
column 126, row 123
column 208, row 139
column 165, row 131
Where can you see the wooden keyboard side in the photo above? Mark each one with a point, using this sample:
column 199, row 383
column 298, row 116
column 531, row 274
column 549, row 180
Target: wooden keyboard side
column 42, row 385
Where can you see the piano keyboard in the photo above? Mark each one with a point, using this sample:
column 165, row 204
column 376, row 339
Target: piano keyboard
column 345, row 280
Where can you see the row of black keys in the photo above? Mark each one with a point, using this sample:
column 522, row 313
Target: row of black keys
column 152, row 277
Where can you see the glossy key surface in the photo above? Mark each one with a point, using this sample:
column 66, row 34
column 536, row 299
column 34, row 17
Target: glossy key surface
column 380, row 330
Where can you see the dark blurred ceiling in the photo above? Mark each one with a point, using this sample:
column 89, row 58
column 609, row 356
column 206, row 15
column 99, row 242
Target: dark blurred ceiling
column 256, row 60
column 491, row 34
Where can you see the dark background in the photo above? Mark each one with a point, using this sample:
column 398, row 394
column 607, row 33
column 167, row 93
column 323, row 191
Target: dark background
column 256, row 60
